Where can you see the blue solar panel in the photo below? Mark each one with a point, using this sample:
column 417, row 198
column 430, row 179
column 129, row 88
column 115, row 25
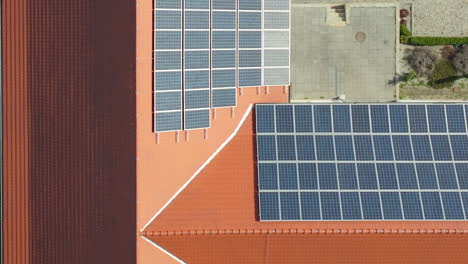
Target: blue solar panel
column 411, row 203
column 391, row 205
column 167, row 81
column 432, row 205
column 325, row 148
column 367, row 176
column 168, row 4
column 310, row 206
column 250, row 39
column 267, row 176
column 168, row 101
column 387, row 176
column 284, row 122
column 287, row 176
column 168, row 121
column 407, row 176
column 379, row 118
column 436, row 117
column 266, row 148
column 250, row 58
column 224, row 4
column 347, row 176
column 197, row 4
column 167, row 60
column 197, row 59
column 344, row 148
column 333, row 169
column 322, row 118
column 303, row 117
column 363, row 146
column 456, row 119
column 307, row 176
column 224, row 40
column 462, row 173
column 360, row 118
column 417, row 118
column 290, row 206
column 197, row 99
column 224, row 20
column 250, row 77
column 305, row 148
column 398, row 118
column 330, row 206
column 383, row 148
column 224, row 97
column 197, row 119
column 223, row 78
column 327, row 176
column 427, row 176
column 197, row 39
column 197, row 20
column 224, row 59
column 459, row 147
column 168, row 19
column 197, row 79
column 402, row 147
column 371, row 208
column 421, row 147
column 286, row 148
column 250, row 4
column 341, row 118
column 168, row 40
column 269, row 206
column 250, row 20
column 441, row 148
column 446, row 175
column 351, row 206
column 452, row 205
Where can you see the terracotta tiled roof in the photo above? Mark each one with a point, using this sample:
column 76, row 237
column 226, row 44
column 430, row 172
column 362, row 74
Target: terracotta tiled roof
column 214, row 220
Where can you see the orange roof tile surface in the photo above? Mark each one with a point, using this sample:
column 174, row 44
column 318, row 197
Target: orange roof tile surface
column 217, row 214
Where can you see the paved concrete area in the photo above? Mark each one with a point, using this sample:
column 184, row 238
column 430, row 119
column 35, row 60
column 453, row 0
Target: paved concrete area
column 327, row 61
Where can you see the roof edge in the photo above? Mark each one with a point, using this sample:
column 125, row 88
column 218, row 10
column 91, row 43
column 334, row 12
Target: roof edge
column 302, row 231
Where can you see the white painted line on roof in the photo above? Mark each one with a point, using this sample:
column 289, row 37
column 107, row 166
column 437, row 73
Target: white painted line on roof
column 163, row 250
column 221, row 147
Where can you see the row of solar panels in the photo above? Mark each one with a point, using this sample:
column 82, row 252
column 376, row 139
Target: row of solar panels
column 204, row 49
column 358, row 118
column 313, row 159
column 308, row 206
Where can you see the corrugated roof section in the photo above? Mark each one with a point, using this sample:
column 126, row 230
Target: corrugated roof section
column 15, row 117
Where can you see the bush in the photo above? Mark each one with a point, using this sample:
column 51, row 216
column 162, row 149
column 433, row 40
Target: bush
column 460, row 60
column 408, row 77
column 405, row 34
column 433, row 41
column 444, row 75
column 422, row 61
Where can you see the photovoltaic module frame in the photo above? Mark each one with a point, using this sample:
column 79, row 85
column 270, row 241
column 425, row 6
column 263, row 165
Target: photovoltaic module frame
column 362, row 161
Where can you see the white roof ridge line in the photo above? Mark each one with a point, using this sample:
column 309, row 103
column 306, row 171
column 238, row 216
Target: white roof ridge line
column 202, row 167
column 163, row 250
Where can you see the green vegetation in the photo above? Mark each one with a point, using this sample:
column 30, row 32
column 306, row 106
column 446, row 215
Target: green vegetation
column 433, row 41
column 408, row 77
column 406, row 37
column 444, row 75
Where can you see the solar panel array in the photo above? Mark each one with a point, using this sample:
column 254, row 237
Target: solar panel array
column 204, row 49
column 362, row 162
